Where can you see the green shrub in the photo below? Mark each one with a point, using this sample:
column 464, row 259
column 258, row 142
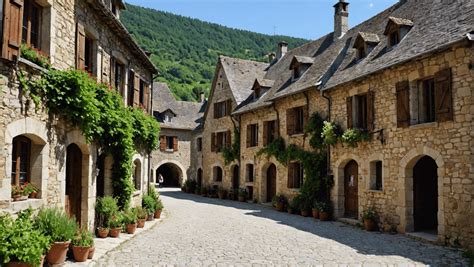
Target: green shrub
column 130, row 216
column 149, row 204
column 330, row 133
column 152, row 192
column 243, row 192
column 35, row 56
column 279, row 199
column 141, row 213
column 116, row 221
column 56, row 224
column 353, row 136
column 83, row 238
column 370, row 214
column 105, row 208
column 21, row 241
column 159, row 205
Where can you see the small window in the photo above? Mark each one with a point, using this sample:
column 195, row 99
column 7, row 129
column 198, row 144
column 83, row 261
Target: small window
column 361, row 52
column 360, row 114
column 295, row 175
column 142, row 93
column 252, row 135
column 31, row 24
column 249, row 173
column 21, row 160
column 218, row 174
column 119, row 79
column 137, row 174
column 296, row 120
column 169, row 142
column 394, row 38
column 89, row 55
column 270, row 132
column 426, row 101
column 199, row 144
column 131, row 90
column 222, row 109
column 376, row 182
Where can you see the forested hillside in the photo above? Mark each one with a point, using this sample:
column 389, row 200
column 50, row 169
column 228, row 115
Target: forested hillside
column 186, row 50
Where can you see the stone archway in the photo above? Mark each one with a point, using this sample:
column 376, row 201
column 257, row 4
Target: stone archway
column 425, row 195
column 74, row 182
column 338, row 192
column 172, row 175
column 271, row 182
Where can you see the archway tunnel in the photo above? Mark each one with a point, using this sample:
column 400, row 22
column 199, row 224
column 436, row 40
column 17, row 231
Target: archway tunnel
column 172, row 175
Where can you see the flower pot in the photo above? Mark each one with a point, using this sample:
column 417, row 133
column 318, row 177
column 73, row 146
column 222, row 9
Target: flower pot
column 102, row 232
column 290, row 211
column 80, row 253
column 241, row 199
column 369, row 225
column 141, row 223
column 157, row 214
column 19, row 198
column 115, row 232
column 91, row 253
column 304, row 213
column 131, row 228
column 57, row 253
column 315, row 213
column 280, row 206
column 324, row 216
column 150, row 217
column 33, row 195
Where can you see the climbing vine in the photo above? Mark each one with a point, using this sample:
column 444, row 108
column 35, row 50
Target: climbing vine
column 98, row 110
column 231, row 154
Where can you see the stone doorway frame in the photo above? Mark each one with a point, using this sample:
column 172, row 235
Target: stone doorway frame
column 178, row 164
column 337, row 192
column 263, row 180
column 405, row 209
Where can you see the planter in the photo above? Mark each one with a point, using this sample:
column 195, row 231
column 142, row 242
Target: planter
column 324, row 216
column 369, row 225
column 241, row 199
column 280, row 206
column 102, row 232
column 315, row 213
column 150, row 217
column 91, row 253
column 80, row 253
column 23, row 264
column 141, row 223
column 304, row 213
column 34, row 195
column 19, row 198
column 290, row 211
column 115, row 232
column 157, row 214
column 57, row 253
column 131, row 228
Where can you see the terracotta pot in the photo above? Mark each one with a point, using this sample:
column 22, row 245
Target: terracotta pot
column 23, row 264
column 57, row 253
column 315, row 213
column 80, row 253
column 369, row 225
column 157, row 214
column 150, row 217
column 241, row 199
column 91, row 253
column 280, row 206
column 141, row 223
column 323, row 216
column 131, row 228
column 290, row 211
column 102, row 232
column 304, row 213
column 115, row 232
column 33, row 195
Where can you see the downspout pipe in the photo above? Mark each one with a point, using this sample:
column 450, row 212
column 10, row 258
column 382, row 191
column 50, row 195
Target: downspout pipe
column 328, row 149
column 151, row 114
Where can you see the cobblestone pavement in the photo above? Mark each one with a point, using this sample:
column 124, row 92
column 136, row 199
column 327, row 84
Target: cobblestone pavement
column 201, row 231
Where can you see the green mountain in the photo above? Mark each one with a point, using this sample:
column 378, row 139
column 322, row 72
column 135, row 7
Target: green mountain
column 186, row 50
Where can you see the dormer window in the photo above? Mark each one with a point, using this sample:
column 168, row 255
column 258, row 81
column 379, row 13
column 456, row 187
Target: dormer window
column 365, row 43
column 299, row 65
column 260, row 87
column 116, row 6
column 396, row 30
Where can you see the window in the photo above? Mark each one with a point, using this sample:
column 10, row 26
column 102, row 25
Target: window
column 252, row 135
column 21, row 160
column 269, row 132
column 376, row 175
column 249, row 173
column 426, row 101
column 199, row 144
column 361, row 52
column 131, row 88
column 31, row 24
column 360, row 110
column 218, row 174
column 142, row 92
column 222, row 109
column 88, row 58
column 119, row 79
column 168, row 143
column 296, row 73
column 1, row 18
column 296, row 119
column 295, row 175
column 394, row 38
column 137, row 171
column 220, row 140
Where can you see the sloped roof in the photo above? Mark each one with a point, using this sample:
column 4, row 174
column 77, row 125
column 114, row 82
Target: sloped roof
column 435, row 25
column 188, row 115
column 367, row 37
column 303, row 60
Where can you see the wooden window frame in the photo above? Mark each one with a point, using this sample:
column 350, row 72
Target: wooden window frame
column 252, row 135
column 218, row 174
column 426, row 101
column 249, row 173
column 169, row 143
column 295, row 175
column 142, row 93
column 270, row 132
column 130, row 88
column 28, row 9
column 89, row 64
column 394, row 37
column 17, row 160
column 119, row 77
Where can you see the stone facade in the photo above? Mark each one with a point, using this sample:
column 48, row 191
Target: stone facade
column 49, row 135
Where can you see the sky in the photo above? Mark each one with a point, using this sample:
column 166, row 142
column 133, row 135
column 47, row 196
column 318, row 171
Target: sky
column 308, row 19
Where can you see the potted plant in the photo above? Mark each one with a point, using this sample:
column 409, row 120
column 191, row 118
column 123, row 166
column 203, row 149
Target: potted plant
column 243, row 194
column 291, row 207
column 305, row 206
column 21, row 244
column 159, row 208
column 315, row 209
column 370, row 218
column 32, row 190
column 105, row 208
column 222, row 193
column 115, row 224
column 324, row 211
column 81, row 245
column 279, row 202
column 19, row 193
column 149, row 204
column 91, row 250
column 61, row 229
column 130, row 220
column 141, row 215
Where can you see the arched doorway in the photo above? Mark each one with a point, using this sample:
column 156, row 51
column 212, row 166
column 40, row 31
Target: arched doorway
column 425, row 194
column 137, row 174
column 74, row 181
column 199, row 177
column 172, row 175
column 235, row 177
column 351, row 196
column 271, row 182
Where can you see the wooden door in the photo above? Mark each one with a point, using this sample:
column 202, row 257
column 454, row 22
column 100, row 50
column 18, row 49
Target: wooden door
column 425, row 195
column 73, row 181
column 351, row 201
column 235, row 178
column 271, row 182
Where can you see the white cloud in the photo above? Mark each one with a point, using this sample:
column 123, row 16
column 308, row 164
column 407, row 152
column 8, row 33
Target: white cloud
column 371, row 5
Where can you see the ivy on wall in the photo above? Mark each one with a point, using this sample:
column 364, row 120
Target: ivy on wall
column 231, row 154
column 98, row 110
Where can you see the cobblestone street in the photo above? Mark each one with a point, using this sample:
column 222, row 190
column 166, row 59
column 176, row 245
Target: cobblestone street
column 201, row 231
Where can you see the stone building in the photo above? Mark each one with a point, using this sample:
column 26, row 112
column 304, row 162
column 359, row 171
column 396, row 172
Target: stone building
column 44, row 149
column 405, row 77
column 177, row 120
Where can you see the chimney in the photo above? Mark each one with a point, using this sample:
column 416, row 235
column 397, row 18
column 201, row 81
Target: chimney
column 282, row 49
column 202, row 97
column 341, row 19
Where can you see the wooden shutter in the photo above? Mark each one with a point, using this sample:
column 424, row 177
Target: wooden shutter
column 370, row 110
column 213, row 142
column 112, row 74
column 291, row 171
column 81, row 47
column 277, row 128
column 290, row 121
column 265, row 132
column 349, row 112
column 146, row 97
column 443, row 96
column 162, row 143
column 136, row 91
column 305, row 116
column 249, row 135
column 215, row 110
column 228, row 107
column 175, row 143
column 12, row 28
column 228, row 139
column 403, row 104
